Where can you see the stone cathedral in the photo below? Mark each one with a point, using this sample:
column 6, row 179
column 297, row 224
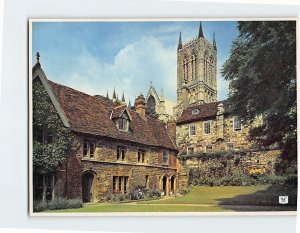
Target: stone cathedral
column 196, row 72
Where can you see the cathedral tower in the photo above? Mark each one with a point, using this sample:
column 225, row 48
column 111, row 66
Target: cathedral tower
column 196, row 71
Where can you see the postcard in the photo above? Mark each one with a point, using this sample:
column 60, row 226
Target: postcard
column 162, row 116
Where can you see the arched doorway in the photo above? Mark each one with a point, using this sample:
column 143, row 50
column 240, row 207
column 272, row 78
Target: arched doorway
column 164, row 184
column 88, row 187
column 173, row 185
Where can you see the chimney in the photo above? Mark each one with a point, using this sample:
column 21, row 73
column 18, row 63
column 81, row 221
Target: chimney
column 140, row 106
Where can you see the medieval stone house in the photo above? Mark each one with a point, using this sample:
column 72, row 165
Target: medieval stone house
column 118, row 148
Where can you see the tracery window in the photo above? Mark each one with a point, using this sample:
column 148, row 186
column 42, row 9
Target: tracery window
column 185, row 69
column 193, row 66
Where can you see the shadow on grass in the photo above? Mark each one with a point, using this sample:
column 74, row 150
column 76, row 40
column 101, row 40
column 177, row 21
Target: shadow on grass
column 263, row 200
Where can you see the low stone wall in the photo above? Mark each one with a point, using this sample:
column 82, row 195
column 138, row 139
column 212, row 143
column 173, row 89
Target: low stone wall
column 222, row 165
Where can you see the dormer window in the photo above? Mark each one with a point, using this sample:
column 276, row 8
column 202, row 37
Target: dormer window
column 195, row 111
column 123, row 124
column 122, row 118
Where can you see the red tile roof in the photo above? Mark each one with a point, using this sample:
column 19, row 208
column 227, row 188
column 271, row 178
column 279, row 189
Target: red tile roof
column 91, row 115
column 206, row 111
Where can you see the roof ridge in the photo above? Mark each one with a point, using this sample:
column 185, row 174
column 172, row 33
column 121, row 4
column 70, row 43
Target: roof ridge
column 98, row 98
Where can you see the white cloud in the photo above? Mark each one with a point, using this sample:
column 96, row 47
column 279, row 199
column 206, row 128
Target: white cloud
column 138, row 63
column 132, row 69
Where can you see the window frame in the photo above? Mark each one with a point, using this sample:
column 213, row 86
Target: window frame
column 120, row 184
column 141, row 156
column 205, row 122
column 42, row 136
column 121, row 153
column 195, row 111
column 211, row 150
column 165, row 159
column 233, row 124
column 190, row 126
column 188, row 149
column 88, row 148
column 124, row 124
column 228, row 148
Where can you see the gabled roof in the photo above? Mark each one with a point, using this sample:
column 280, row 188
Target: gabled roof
column 119, row 111
column 37, row 72
column 92, row 115
column 206, row 111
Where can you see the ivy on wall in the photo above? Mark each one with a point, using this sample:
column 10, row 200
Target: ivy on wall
column 48, row 156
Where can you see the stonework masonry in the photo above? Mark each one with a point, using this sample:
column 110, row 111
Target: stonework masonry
column 196, row 71
column 262, row 162
column 104, row 166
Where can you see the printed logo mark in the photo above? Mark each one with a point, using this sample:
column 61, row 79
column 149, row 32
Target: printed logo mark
column 283, row 200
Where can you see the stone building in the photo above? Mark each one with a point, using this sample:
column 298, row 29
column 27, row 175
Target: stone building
column 211, row 127
column 196, row 72
column 118, row 148
column 205, row 125
column 160, row 106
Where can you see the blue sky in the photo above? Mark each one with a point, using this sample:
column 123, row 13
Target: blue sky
column 94, row 57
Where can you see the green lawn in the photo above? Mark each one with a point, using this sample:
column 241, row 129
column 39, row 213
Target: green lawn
column 210, row 195
column 140, row 208
column 206, row 199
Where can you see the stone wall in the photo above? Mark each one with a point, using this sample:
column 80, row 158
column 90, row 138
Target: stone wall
column 104, row 173
column 219, row 166
column 222, row 133
column 104, row 166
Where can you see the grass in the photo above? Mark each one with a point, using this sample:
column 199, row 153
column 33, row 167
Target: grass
column 206, row 199
column 210, row 195
column 140, row 208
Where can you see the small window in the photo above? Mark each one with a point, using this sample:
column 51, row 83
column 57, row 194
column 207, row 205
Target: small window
column 120, row 184
column 123, row 124
column 208, row 148
column 237, row 125
column 165, row 157
column 190, row 150
column 115, row 179
column 206, row 127
column 43, row 136
column 88, row 149
column 92, row 149
column 85, row 148
column 121, row 150
column 195, row 111
column 192, row 130
column 141, row 156
column 229, row 146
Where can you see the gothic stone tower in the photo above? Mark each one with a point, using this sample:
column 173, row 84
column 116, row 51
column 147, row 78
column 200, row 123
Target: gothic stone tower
column 196, row 72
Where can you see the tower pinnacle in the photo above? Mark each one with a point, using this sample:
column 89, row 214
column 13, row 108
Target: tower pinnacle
column 214, row 42
column 38, row 57
column 179, row 42
column 200, row 31
column 123, row 98
column 114, row 94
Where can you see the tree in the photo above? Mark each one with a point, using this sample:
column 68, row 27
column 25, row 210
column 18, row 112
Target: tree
column 262, row 74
